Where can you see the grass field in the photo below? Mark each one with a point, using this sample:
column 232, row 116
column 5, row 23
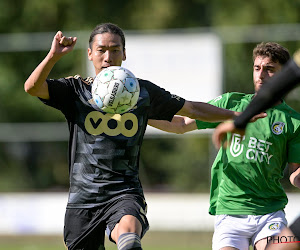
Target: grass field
column 152, row 241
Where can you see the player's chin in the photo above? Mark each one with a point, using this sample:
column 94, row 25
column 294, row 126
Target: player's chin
column 103, row 68
column 258, row 87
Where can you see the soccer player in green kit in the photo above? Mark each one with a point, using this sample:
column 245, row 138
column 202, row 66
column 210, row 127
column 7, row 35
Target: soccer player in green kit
column 277, row 87
column 246, row 195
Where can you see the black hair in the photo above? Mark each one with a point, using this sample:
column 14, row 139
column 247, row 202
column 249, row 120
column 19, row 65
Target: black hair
column 107, row 28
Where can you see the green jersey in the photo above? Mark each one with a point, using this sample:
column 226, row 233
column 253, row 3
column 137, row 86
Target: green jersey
column 245, row 177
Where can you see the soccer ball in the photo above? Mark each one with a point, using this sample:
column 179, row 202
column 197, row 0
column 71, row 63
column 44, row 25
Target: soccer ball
column 115, row 90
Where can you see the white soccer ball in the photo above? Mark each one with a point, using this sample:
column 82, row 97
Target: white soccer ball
column 115, row 90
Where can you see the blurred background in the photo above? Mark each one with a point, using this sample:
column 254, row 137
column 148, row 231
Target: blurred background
column 217, row 55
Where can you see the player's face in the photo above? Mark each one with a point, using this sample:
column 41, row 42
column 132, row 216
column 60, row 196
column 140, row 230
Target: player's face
column 107, row 50
column 263, row 69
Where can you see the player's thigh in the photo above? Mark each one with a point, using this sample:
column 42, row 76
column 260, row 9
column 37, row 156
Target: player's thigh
column 261, row 244
column 127, row 224
column 288, row 239
column 232, row 232
column 130, row 224
column 268, row 225
column 129, row 205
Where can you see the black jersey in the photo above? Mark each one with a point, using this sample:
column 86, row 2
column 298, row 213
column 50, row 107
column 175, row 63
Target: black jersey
column 104, row 148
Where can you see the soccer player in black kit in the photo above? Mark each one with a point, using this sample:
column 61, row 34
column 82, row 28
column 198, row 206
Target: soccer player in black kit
column 105, row 190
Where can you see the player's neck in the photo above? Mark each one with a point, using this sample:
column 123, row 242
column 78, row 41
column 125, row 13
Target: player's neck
column 276, row 103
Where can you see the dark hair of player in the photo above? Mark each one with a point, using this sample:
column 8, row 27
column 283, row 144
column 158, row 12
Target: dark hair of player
column 274, row 51
column 107, row 28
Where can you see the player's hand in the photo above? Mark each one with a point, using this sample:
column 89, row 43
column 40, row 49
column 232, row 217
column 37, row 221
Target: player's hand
column 62, row 45
column 221, row 131
column 228, row 127
column 258, row 116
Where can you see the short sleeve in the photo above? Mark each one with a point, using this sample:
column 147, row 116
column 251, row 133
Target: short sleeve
column 163, row 104
column 220, row 102
column 61, row 92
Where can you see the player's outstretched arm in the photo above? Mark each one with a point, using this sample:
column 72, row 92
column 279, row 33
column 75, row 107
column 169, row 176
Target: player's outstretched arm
column 206, row 112
column 178, row 125
column 36, row 84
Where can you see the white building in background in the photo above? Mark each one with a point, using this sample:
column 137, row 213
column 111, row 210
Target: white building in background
column 43, row 214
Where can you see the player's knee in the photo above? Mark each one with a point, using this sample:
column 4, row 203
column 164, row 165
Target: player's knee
column 129, row 241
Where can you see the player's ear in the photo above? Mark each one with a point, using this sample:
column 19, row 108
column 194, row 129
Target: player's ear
column 90, row 54
column 124, row 55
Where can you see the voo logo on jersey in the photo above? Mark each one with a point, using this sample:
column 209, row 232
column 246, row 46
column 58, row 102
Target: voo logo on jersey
column 97, row 123
column 256, row 149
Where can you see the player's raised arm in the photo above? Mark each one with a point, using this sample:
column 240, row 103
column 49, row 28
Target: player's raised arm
column 36, row 84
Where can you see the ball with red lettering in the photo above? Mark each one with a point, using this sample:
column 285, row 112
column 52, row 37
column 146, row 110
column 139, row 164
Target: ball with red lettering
column 115, row 90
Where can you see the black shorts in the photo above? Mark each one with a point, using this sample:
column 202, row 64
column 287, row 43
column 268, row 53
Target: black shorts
column 85, row 227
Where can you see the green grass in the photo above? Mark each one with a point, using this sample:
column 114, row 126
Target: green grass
column 31, row 243
column 151, row 241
